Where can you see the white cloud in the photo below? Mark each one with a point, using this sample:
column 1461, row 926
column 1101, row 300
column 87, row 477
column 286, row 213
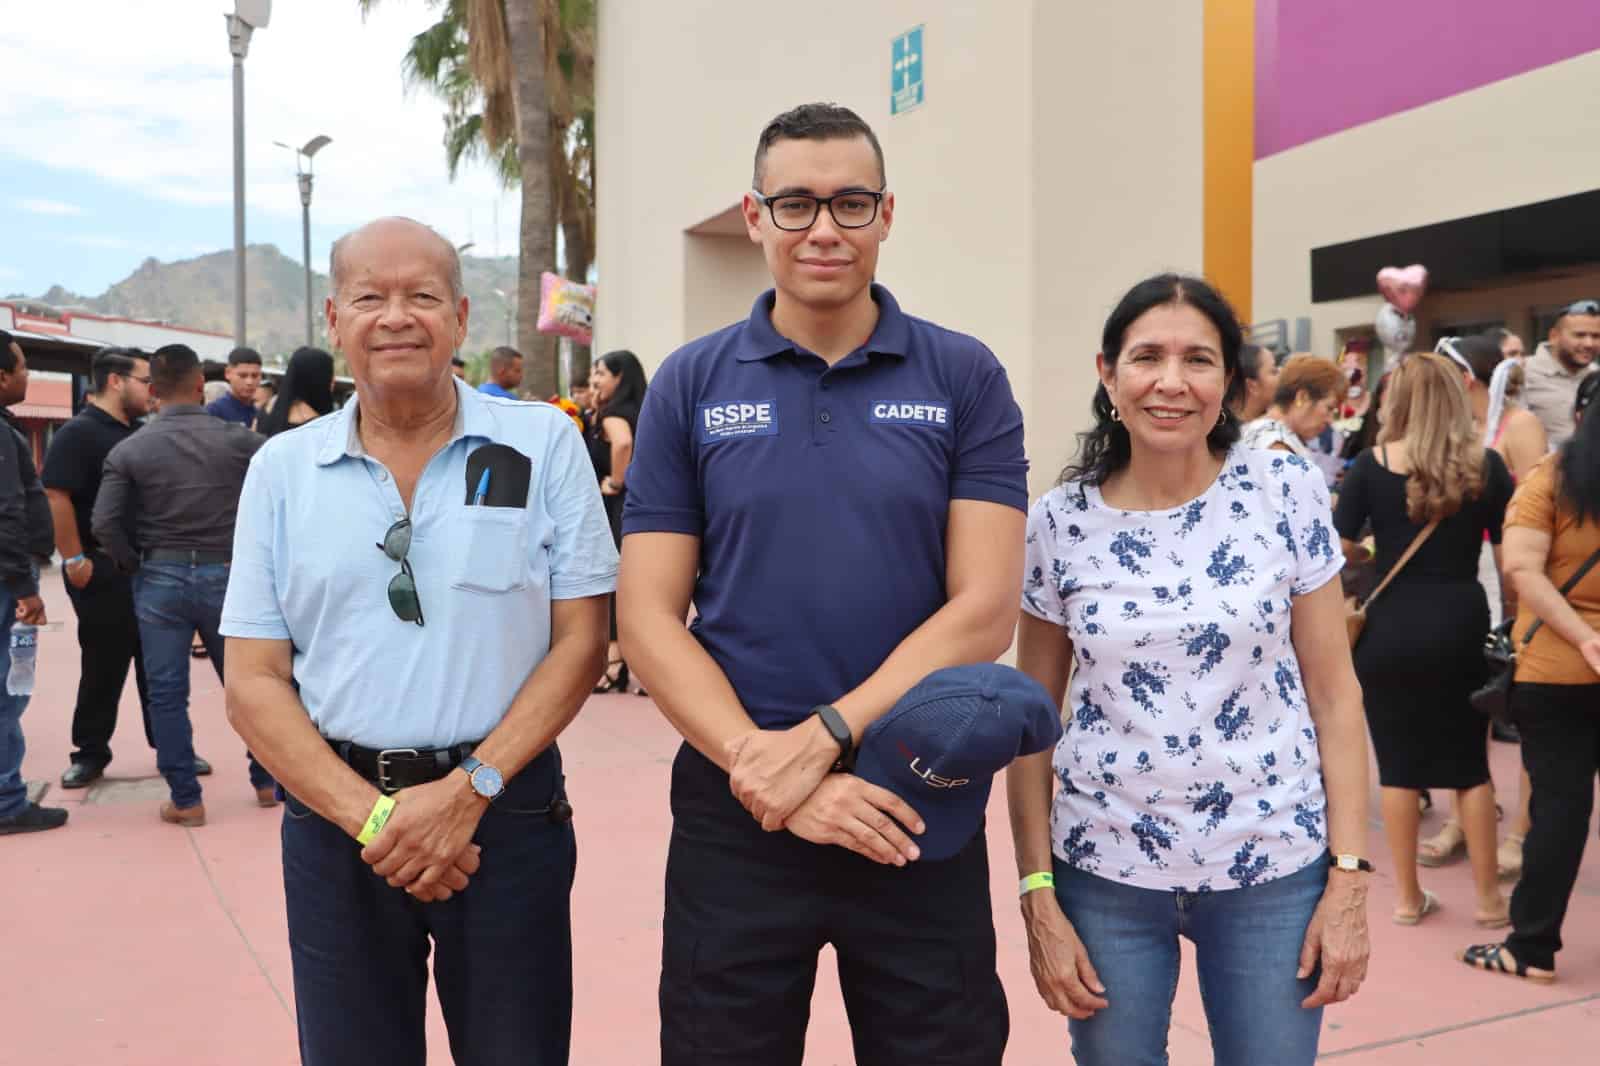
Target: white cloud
column 49, row 207
column 149, row 106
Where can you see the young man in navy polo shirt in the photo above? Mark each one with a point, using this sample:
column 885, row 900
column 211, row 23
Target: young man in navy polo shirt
column 840, row 489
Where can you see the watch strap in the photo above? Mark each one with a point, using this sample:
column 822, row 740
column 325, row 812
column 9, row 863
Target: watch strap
column 1345, row 861
column 839, row 730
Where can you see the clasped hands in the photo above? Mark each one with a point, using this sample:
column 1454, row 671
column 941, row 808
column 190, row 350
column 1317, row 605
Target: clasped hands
column 426, row 847
column 782, row 777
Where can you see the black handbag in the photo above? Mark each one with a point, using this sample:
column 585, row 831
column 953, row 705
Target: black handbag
column 1500, row 654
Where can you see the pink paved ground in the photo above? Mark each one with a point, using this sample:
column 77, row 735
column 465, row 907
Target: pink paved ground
column 127, row 941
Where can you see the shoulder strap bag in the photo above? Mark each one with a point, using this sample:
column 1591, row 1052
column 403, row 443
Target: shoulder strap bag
column 1356, row 620
column 1500, row 654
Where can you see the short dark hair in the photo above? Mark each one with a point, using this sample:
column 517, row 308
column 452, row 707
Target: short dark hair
column 8, row 361
column 502, row 356
column 456, row 360
column 173, row 368
column 244, row 355
column 816, row 122
column 1482, row 353
column 110, row 361
column 1106, row 448
column 1251, row 360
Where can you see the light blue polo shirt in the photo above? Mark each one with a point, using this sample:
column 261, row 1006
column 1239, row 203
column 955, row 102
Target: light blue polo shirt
column 307, row 568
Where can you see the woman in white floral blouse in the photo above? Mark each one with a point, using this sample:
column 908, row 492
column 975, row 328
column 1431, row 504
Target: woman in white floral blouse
column 1214, row 761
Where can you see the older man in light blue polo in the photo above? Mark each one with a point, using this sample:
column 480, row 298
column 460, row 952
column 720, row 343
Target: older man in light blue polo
column 417, row 608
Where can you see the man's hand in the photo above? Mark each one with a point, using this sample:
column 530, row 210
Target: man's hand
column 80, row 573
column 454, row 879
column 30, row 611
column 1337, row 937
column 432, row 825
column 772, row 771
column 851, row 813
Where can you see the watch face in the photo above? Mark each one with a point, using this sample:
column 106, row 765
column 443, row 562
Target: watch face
column 1349, row 862
column 487, row 782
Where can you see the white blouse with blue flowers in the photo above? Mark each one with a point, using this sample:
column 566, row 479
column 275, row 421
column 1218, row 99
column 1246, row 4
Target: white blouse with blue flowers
column 1189, row 759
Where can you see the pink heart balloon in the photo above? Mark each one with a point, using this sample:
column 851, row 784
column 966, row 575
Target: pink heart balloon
column 1403, row 286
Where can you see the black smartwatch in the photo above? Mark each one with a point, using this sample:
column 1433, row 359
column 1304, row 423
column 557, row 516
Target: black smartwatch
column 839, row 730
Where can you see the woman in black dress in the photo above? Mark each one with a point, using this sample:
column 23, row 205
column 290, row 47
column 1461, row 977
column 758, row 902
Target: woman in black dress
column 1421, row 655
column 617, row 385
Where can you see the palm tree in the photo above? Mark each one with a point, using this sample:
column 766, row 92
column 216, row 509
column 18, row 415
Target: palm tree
column 534, row 121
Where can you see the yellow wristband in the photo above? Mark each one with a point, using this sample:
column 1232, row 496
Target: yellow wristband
column 1034, row 882
column 376, row 820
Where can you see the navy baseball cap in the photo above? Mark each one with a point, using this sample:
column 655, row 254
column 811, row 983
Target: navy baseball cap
column 941, row 745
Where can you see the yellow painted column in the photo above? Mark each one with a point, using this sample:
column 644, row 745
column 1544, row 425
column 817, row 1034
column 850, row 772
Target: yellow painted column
column 1230, row 93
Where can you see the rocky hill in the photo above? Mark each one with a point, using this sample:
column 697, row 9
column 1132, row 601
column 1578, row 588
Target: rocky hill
column 199, row 293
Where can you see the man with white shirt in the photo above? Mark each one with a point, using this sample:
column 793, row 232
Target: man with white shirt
column 418, row 608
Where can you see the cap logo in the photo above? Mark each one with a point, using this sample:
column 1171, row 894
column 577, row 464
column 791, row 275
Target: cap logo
column 926, row 773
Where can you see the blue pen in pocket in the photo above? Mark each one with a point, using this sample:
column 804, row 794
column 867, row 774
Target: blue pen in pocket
column 483, row 490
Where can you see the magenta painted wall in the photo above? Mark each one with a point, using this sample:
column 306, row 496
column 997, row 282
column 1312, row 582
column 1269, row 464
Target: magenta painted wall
column 1326, row 65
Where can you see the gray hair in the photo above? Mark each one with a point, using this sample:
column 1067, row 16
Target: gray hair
column 452, row 257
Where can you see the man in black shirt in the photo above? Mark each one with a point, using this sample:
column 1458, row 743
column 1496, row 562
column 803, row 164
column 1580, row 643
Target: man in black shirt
column 25, row 536
column 101, row 595
column 243, row 375
column 165, row 514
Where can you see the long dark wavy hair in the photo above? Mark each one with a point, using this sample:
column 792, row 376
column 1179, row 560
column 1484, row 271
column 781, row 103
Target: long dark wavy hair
column 307, row 378
column 1106, row 447
column 1580, row 456
column 630, row 390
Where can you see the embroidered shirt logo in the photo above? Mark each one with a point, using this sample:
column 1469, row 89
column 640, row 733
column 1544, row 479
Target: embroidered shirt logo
column 911, row 413
column 724, row 421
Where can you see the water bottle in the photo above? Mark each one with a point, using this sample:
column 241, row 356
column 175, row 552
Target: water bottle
column 24, row 655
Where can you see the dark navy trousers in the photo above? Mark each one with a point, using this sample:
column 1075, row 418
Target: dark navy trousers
column 502, row 949
column 747, row 912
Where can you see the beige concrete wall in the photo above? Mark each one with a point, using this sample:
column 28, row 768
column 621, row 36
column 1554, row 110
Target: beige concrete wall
column 1118, row 157
column 1518, row 141
column 684, row 90
column 1056, row 161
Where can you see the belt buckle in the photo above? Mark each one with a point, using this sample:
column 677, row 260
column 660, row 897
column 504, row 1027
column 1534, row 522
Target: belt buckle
column 384, row 785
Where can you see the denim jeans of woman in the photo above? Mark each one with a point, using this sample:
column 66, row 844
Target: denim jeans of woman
column 1247, row 950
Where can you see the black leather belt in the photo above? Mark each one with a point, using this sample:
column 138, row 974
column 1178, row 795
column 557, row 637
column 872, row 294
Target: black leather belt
column 190, row 558
column 392, row 769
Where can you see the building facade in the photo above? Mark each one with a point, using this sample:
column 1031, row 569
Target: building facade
column 1061, row 151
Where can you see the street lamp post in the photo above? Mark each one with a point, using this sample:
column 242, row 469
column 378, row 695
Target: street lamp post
column 248, row 16
column 505, row 302
column 303, row 175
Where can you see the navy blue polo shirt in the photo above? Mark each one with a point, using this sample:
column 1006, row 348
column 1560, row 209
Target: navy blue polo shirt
column 228, row 408
column 820, row 494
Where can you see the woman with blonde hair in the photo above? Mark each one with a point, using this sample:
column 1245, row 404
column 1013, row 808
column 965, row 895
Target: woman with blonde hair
column 1429, row 479
column 1309, row 391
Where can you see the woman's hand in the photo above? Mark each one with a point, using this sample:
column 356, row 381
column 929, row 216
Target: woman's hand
column 1338, row 938
column 1062, row 972
column 1591, row 653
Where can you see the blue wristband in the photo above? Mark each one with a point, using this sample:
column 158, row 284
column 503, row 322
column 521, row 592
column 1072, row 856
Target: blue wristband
column 80, row 557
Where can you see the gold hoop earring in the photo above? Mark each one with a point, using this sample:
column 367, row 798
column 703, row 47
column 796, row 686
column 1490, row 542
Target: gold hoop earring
column 1222, row 417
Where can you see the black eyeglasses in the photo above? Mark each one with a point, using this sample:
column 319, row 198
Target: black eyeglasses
column 853, row 209
column 136, row 377
column 403, row 599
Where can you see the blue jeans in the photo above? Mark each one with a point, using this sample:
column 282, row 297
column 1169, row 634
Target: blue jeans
column 13, row 791
column 502, row 950
column 1247, row 949
column 173, row 601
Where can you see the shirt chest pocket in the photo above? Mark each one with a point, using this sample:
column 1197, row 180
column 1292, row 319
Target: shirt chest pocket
column 492, row 556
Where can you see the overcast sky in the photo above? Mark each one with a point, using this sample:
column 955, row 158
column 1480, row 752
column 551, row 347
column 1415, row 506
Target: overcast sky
column 116, row 136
